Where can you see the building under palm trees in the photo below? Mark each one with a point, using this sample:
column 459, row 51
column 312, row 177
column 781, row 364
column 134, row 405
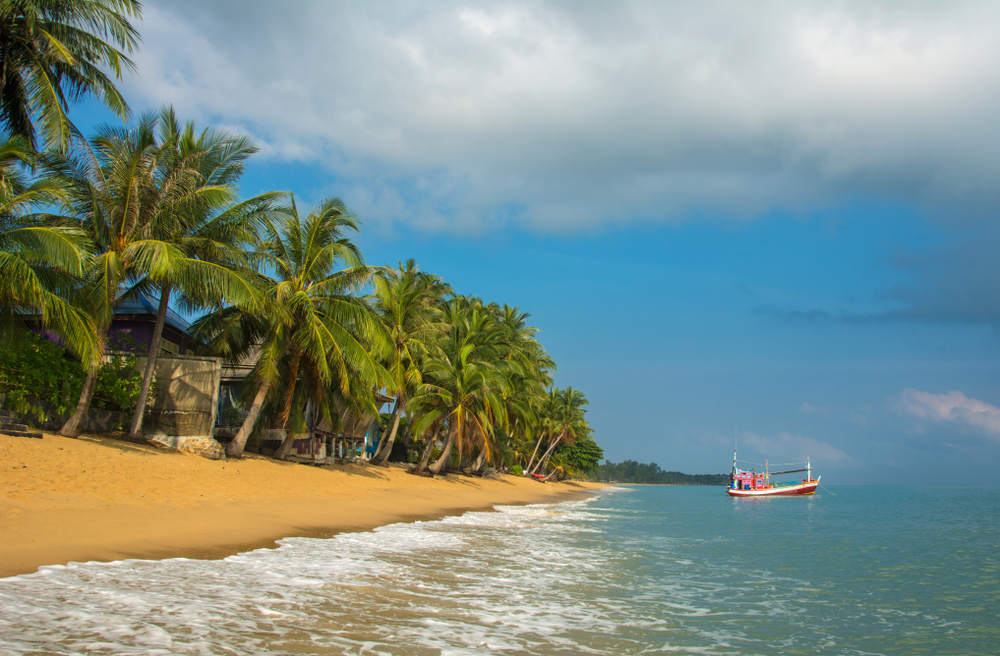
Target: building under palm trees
column 353, row 436
column 134, row 322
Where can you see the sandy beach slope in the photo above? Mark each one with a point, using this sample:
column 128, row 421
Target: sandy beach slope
column 65, row 500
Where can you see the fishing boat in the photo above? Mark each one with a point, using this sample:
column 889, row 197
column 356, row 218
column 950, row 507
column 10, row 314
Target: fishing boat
column 749, row 483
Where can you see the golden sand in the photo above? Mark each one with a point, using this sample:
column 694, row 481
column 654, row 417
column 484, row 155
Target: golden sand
column 64, row 500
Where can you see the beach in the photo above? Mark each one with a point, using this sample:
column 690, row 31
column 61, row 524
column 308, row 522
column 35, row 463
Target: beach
column 97, row 499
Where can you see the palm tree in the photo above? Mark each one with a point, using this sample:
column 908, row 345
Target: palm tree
column 567, row 421
column 548, row 409
column 128, row 195
column 208, row 240
column 464, row 382
column 528, row 381
column 39, row 262
column 308, row 323
column 406, row 302
column 52, row 52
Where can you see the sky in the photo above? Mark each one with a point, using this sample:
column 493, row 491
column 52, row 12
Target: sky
column 776, row 220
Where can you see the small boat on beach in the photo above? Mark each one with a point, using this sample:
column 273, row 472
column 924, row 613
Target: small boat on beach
column 749, row 483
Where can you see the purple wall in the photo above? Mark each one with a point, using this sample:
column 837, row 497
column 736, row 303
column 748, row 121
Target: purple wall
column 139, row 330
column 141, row 333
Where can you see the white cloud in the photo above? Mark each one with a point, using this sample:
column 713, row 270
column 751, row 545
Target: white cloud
column 792, row 448
column 810, row 409
column 582, row 113
column 951, row 407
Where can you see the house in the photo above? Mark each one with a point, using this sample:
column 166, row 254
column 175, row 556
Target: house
column 135, row 320
column 181, row 412
column 323, row 443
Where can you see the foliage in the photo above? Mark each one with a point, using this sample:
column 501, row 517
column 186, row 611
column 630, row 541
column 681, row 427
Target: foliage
column 36, row 368
column 464, row 382
column 314, row 337
column 407, row 301
column 39, row 262
column 631, row 471
column 582, row 457
column 517, row 470
column 118, row 382
column 53, row 52
column 233, row 416
column 153, row 207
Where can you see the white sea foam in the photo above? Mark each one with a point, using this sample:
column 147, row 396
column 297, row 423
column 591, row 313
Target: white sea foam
column 462, row 584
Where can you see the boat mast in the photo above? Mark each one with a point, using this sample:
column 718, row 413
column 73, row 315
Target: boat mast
column 735, row 442
column 809, row 474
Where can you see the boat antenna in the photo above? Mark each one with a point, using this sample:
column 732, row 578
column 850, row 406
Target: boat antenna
column 736, row 434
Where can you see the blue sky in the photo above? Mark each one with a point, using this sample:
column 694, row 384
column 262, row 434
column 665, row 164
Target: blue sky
column 773, row 217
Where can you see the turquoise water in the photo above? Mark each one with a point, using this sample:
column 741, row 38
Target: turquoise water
column 680, row 570
column 872, row 570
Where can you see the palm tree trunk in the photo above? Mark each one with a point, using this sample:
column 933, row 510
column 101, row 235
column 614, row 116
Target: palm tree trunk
column 74, row 425
column 286, row 405
column 537, row 444
column 478, row 464
column 383, row 453
column 235, row 448
column 460, row 440
column 424, row 459
column 552, row 447
column 135, row 427
column 445, row 458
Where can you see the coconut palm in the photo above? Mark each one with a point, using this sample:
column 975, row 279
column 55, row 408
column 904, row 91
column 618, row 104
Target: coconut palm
column 464, row 382
column 206, row 243
column 309, row 322
column 405, row 300
column 52, row 53
column 39, row 262
column 566, row 422
column 528, row 381
column 131, row 198
column 543, row 421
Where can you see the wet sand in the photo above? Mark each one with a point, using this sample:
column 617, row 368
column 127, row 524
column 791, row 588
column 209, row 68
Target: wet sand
column 64, row 500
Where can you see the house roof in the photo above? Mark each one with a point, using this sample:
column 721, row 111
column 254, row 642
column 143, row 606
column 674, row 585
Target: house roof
column 148, row 304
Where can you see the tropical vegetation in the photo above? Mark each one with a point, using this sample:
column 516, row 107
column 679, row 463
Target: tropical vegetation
column 152, row 210
column 630, row 471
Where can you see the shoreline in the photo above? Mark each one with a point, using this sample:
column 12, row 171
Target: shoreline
column 96, row 499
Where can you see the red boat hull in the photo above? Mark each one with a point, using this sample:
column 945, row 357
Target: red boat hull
column 799, row 489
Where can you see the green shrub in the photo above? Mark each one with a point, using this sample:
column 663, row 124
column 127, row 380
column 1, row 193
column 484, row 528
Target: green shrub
column 517, row 471
column 118, row 383
column 34, row 367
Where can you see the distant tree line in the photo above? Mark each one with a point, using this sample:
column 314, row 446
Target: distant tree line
column 631, row 471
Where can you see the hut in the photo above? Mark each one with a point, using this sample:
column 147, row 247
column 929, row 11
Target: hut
column 324, row 442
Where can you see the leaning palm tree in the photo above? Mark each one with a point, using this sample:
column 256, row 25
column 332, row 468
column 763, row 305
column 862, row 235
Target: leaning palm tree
column 406, row 300
column 204, row 246
column 308, row 323
column 52, row 53
column 464, row 383
column 567, row 422
column 528, row 381
column 130, row 199
column 39, row 262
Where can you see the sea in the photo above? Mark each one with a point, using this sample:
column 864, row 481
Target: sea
column 631, row 570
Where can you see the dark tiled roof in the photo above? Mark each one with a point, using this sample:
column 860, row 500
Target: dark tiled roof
column 148, row 304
